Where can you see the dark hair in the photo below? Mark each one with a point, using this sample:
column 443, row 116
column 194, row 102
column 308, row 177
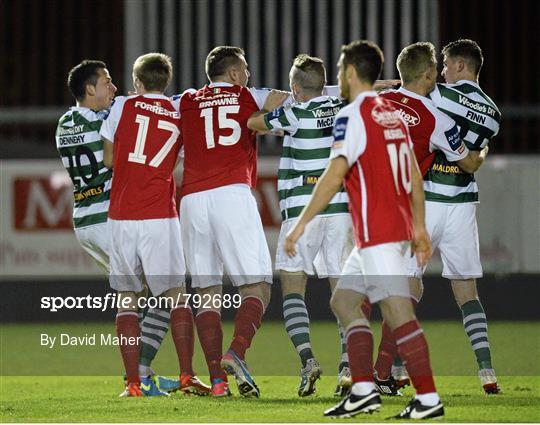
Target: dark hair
column 366, row 58
column 414, row 60
column 154, row 70
column 84, row 73
column 467, row 49
column 309, row 73
column 220, row 59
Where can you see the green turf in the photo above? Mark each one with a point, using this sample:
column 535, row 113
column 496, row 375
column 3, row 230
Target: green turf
column 60, row 398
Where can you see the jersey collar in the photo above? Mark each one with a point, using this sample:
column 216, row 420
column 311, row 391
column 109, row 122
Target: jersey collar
column 220, row 84
column 369, row 93
column 472, row 83
column 154, row 96
column 411, row 94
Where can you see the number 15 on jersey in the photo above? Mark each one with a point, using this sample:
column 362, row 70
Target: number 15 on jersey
column 223, row 122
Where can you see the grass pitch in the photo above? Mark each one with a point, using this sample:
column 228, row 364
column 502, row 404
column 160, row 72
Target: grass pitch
column 48, row 394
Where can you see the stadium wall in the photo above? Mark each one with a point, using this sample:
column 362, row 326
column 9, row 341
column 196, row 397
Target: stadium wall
column 38, row 239
column 40, row 256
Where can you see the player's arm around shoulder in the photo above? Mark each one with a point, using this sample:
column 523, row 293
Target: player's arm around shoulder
column 261, row 120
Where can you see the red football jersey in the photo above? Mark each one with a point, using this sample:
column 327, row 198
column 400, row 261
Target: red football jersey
column 430, row 129
column 219, row 149
column 145, row 132
column 371, row 136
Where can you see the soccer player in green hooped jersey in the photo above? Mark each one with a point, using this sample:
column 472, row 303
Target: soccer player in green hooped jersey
column 81, row 149
column 308, row 126
column 451, row 195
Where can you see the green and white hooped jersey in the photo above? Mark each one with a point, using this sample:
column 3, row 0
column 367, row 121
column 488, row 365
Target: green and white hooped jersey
column 81, row 148
column 306, row 152
column 478, row 119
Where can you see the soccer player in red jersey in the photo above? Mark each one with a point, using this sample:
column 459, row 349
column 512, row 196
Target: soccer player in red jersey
column 431, row 130
column 142, row 144
column 221, row 226
column 372, row 153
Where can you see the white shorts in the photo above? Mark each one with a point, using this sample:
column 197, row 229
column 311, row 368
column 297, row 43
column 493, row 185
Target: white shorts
column 322, row 249
column 222, row 228
column 149, row 248
column 377, row 271
column 95, row 241
column 453, row 229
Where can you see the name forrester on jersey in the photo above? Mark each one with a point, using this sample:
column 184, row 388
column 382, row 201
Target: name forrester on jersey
column 156, row 108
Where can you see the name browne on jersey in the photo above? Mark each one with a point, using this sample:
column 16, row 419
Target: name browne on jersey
column 219, row 102
column 159, row 110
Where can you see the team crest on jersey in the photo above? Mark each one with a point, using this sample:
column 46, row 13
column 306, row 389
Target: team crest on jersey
column 216, row 90
column 404, row 100
column 385, row 115
column 157, row 103
column 409, row 115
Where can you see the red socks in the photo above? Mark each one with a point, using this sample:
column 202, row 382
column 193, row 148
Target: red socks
column 183, row 337
column 360, row 350
column 387, row 353
column 387, row 350
column 247, row 321
column 413, row 350
column 211, row 338
column 129, row 332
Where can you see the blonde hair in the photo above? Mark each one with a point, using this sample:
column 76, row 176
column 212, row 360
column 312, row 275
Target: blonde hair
column 154, row 70
column 414, row 60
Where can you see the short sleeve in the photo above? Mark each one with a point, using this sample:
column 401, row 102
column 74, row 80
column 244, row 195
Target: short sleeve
column 177, row 98
column 260, row 96
column 108, row 129
column 283, row 118
column 349, row 136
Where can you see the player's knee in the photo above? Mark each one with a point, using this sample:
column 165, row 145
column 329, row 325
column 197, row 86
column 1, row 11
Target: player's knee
column 293, row 282
column 464, row 291
column 396, row 311
column 261, row 290
column 338, row 304
column 171, row 298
